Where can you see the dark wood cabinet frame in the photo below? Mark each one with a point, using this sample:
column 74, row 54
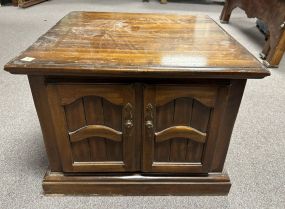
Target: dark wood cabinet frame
column 221, row 96
column 136, row 104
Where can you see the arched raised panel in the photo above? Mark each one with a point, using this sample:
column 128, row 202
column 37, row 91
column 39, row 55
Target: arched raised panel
column 206, row 95
column 95, row 126
column 71, row 93
column 181, row 130
column 178, row 120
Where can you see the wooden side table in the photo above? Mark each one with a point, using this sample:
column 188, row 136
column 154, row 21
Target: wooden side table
column 136, row 104
column 273, row 14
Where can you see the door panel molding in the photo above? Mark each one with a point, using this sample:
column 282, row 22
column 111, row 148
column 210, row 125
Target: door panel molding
column 106, row 128
column 178, row 135
column 115, row 94
column 95, row 131
column 180, row 132
column 190, row 139
column 204, row 94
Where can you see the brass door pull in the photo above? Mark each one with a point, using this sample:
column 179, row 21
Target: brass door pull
column 128, row 118
column 149, row 124
column 149, row 120
column 129, row 124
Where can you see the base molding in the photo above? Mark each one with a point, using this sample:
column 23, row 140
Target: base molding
column 135, row 184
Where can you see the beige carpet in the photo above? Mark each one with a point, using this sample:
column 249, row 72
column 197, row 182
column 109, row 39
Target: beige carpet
column 256, row 156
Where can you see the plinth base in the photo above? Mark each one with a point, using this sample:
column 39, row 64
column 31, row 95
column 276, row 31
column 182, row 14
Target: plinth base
column 135, row 184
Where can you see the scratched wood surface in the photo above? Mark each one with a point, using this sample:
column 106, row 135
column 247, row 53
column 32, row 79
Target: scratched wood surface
column 96, row 44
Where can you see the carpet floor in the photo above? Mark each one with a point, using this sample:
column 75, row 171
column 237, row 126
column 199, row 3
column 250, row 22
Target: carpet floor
column 256, row 156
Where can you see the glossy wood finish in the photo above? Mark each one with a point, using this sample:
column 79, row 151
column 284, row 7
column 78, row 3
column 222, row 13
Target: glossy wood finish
column 137, row 104
column 272, row 13
column 136, row 184
column 137, row 45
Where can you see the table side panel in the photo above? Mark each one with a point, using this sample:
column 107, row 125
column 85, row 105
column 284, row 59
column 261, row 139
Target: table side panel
column 231, row 108
column 40, row 97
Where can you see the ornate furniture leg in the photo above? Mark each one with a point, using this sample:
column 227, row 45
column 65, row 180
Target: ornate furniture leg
column 275, row 53
column 265, row 50
column 274, row 47
column 227, row 11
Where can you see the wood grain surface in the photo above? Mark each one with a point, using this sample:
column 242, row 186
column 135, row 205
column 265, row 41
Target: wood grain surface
column 126, row 44
column 136, row 184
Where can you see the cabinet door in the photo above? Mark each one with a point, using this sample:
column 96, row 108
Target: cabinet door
column 94, row 126
column 180, row 127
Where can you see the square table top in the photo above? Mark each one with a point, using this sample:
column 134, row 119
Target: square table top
column 140, row 45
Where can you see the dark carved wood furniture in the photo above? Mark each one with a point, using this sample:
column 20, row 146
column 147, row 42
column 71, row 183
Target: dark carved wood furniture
column 26, row 3
column 273, row 14
column 136, row 104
